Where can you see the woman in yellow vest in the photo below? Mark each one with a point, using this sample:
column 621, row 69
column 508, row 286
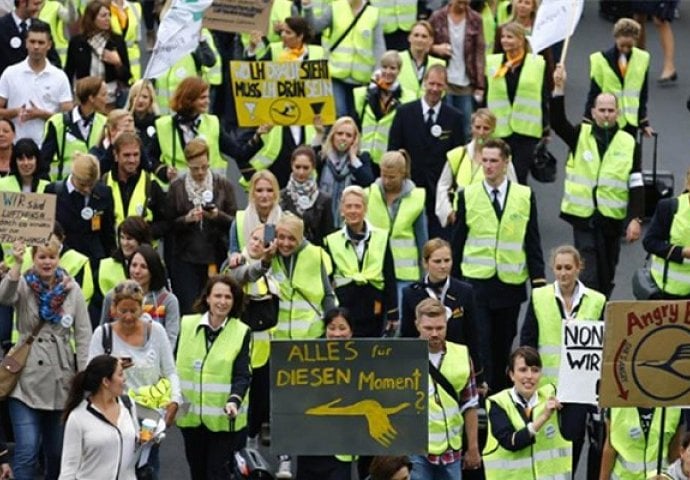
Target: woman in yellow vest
column 363, row 268
column 417, row 58
column 396, row 205
column 524, row 439
column 254, row 275
column 125, row 20
column 295, row 36
column 565, row 299
column 142, row 103
column 517, row 93
column 464, row 166
column 214, row 368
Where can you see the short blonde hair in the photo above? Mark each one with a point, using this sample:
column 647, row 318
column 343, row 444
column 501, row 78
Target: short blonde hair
column 398, row 159
column 195, row 148
column 85, row 166
column 128, row 290
column 53, row 246
column 357, row 191
column 293, row 224
column 486, row 115
column 430, row 307
column 627, row 27
column 392, row 57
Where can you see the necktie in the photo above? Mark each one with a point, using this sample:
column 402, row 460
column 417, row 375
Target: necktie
column 23, row 28
column 496, row 203
column 429, row 119
column 623, row 64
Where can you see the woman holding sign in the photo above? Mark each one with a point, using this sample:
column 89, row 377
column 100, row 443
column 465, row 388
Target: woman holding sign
column 565, row 299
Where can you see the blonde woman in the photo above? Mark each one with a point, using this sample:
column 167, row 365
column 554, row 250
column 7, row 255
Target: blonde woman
column 144, row 107
column 118, row 121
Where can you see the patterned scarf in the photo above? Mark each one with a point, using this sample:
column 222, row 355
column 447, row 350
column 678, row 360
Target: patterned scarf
column 195, row 191
column 303, row 195
column 335, row 177
column 50, row 300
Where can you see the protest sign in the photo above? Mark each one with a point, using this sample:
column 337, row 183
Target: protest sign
column 373, row 393
column 646, row 354
column 282, row 93
column 238, row 15
column 26, row 216
column 578, row 375
column 555, row 20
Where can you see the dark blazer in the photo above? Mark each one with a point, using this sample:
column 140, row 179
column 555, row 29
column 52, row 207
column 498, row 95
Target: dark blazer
column 428, row 153
column 93, row 238
column 78, row 63
column 8, row 54
column 493, row 292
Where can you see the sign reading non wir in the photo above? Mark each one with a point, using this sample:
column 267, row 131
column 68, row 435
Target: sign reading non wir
column 26, row 216
column 363, row 397
column 282, row 93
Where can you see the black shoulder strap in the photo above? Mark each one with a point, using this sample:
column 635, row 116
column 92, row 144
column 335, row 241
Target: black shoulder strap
column 349, row 28
column 107, row 340
column 126, row 401
column 443, row 382
column 66, row 116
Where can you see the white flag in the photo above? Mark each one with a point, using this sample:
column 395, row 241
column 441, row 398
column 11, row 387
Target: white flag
column 556, row 20
column 178, row 35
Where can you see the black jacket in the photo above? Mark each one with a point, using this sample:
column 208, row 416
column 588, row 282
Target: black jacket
column 79, row 56
column 318, row 220
column 10, row 55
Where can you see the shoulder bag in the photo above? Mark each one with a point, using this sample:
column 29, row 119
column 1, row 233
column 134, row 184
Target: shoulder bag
column 12, row 365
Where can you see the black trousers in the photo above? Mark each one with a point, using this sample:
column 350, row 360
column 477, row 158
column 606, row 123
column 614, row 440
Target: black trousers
column 188, row 280
column 210, row 454
column 259, row 406
column 497, row 329
column 522, row 154
column 600, row 251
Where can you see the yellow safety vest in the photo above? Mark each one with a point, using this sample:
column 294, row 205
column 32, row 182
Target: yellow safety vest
column 524, row 115
column 489, row 28
column 354, row 56
column 74, row 262
column 132, row 36
column 301, row 295
column 50, row 13
column 503, row 11
column 68, row 145
column 261, row 340
column 551, row 325
column 549, row 458
column 110, row 274
column 678, row 274
column 206, row 374
column 399, row 14
column 496, row 247
column 636, row 454
column 406, row 255
column 588, row 178
column 627, row 92
column 172, row 152
column 347, row 268
column 445, row 418
column 408, row 73
column 138, row 203
column 463, row 169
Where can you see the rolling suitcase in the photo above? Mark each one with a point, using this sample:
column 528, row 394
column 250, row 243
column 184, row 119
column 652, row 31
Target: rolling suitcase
column 249, row 464
column 657, row 184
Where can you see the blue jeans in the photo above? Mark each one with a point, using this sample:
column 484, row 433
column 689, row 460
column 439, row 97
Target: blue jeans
column 344, row 99
column 33, row 428
column 423, row 470
column 464, row 103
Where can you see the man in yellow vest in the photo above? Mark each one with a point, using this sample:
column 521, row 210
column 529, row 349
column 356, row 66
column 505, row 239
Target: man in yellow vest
column 603, row 185
column 135, row 191
column 453, row 400
column 498, row 248
column 622, row 70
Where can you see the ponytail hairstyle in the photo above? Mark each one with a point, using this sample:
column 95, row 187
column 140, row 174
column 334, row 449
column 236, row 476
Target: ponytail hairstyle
column 89, row 381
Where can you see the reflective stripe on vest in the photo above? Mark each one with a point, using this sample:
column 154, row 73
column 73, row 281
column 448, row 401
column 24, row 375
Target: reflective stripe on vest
column 132, row 37
column 494, row 247
column 61, row 163
column 678, row 274
column 406, row 255
column 138, row 201
column 399, row 14
column 636, row 454
column 172, row 154
column 301, row 295
column 524, row 116
column 354, row 56
column 627, row 93
column 550, row 457
column 346, row 264
column 489, row 28
column 206, row 375
column 74, row 262
column 445, row 418
column 408, row 73
column 551, row 325
column 589, row 177
column 110, row 273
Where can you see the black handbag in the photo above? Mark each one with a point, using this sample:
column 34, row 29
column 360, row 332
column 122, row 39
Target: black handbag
column 643, row 285
column 261, row 315
column 543, row 166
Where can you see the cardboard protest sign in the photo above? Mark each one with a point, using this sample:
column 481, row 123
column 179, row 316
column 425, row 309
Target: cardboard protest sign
column 373, row 393
column 646, row 354
column 238, row 15
column 578, row 375
column 282, row 93
column 26, row 216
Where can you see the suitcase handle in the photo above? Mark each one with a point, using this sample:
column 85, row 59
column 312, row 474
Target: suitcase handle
column 654, row 154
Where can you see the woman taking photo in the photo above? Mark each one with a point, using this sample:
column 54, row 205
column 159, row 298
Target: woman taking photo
column 146, row 343
column 44, row 297
column 566, row 299
column 213, row 364
column 524, row 437
column 100, row 431
column 146, row 268
column 302, row 196
column 517, row 93
column 342, row 163
column 417, row 59
column 202, row 205
column 99, row 52
column 363, row 269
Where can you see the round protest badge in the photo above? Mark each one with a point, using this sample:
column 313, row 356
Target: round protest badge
column 150, row 131
column 550, row 431
column 15, row 42
column 436, row 131
column 280, row 277
column 87, row 213
column 207, row 196
column 181, row 73
column 587, row 155
column 67, row 321
column 139, row 209
column 635, row 432
column 303, row 202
